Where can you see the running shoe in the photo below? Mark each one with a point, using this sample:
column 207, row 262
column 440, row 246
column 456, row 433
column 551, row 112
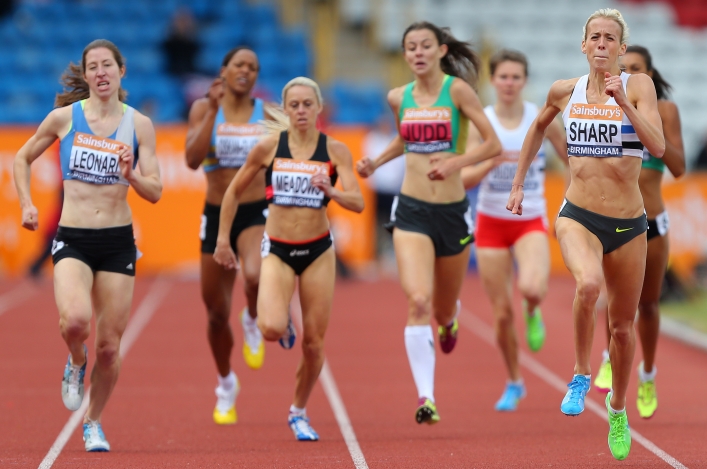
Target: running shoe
column 287, row 341
column 253, row 344
column 573, row 403
column 225, row 410
column 426, row 411
column 72, row 383
column 647, row 401
column 512, row 395
column 619, row 433
column 602, row 383
column 301, row 428
column 448, row 333
column 534, row 330
column 94, row 438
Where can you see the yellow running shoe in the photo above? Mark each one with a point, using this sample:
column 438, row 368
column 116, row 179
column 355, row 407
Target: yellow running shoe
column 253, row 343
column 647, row 401
column 225, row 410
column 426, row 411
column 602, row 382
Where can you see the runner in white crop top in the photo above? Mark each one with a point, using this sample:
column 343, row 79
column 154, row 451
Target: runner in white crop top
column 501, row 237
column 601, row 227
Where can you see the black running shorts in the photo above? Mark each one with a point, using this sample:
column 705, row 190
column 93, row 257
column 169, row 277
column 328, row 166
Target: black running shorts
column 298, row 255
column 250, row 214
column 107, row 249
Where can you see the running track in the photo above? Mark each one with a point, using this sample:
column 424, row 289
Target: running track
column 160, row 413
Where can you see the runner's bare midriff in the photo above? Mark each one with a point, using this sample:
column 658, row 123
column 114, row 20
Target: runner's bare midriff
column 95, row 206
column 419, row 186
column 217, row 182
column 606, row 186
column 296, row 224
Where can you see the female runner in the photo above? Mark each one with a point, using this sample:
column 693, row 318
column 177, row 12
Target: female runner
column 94, row 250
column 638, row 60
column 223, row 128
column 609, row 117
column 431, row 216
column 501, row 237
column 301, row 168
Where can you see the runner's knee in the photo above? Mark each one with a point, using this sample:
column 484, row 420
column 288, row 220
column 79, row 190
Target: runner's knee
column 649, row 309
column 420, row 306
column 532, row 290
column 75, row 327
column 271, row 329
column 218, row 320
column 588, row 289
column 312, row 348
column 621, row 332
column 107, row 353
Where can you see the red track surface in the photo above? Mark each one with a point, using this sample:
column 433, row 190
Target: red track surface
column 160, row 413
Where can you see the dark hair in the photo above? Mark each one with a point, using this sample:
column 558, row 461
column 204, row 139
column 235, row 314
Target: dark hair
column 229, row 55
column 75, row 87
column 460, row 61
column 662, row 87
column 508, row 55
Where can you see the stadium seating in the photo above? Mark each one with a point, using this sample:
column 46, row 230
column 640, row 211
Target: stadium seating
column 41, row 38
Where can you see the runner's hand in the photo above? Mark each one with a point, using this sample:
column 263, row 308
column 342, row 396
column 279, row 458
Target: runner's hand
column 515, row 200
column 30, row 218
column 225, row 257
column 615, row 88
column 323, row 183
column 125, row 161
column 215, row 93
column 365, row 167
column 442, row 168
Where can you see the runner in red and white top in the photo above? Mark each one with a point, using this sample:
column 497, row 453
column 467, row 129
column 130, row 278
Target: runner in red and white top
column 498, row 230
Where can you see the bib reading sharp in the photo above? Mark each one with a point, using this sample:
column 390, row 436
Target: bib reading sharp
column 599, row 130
column 292, row 182
column 94, row 159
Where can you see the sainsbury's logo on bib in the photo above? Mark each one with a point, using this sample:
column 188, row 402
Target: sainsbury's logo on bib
column 596, row 111
column 95, row 159
column 427, row 130
column 292, row 182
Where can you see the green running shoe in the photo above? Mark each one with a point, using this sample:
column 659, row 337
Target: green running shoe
column 426, row 412
column 647, row 401
column 535, row 330
column 619, row 433
column 602, row 382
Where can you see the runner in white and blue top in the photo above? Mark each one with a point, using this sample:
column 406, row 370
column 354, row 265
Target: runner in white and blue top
column 94, row 250
column 608, row 117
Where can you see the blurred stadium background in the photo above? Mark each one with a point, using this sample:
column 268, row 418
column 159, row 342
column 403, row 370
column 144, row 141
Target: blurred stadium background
column 352, row 48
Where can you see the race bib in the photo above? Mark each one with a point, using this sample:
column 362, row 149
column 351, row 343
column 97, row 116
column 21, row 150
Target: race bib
column 292, row 182
column 427, row 130
column 234, row 142
column 594, row 130
column 95, row 160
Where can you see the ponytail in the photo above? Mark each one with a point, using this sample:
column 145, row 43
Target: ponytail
column 662, row 87
column 75, row 87
column 460, row 61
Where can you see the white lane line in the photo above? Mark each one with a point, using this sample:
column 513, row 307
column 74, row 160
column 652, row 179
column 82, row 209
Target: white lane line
column 14, row 297
column 326, row 378
column 142, row 316
column 486, row 333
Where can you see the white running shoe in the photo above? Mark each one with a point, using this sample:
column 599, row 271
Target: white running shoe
column 94, row 438
column 72, row 383
column 225, row 410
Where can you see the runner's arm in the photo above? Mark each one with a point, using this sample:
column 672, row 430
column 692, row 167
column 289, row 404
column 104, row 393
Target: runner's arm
column 47, row 132
column 645, row 117
column 674, row 156
column 147, row 182
column 350, row 197
column 202, row 117
column 474, row 174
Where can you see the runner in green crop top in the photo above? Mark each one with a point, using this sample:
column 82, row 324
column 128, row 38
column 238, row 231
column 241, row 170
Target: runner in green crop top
column 431, row 219
column 440, row 127
column 638, row 60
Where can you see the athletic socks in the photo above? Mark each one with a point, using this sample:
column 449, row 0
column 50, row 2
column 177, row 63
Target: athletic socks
column 616, row 412
column 605, row 355
column 420, row 347
column 227, row 383
column 645, row 375
column 296, row 411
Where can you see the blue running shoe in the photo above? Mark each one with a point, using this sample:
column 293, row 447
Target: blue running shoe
column 512, row 395
column 94, row 438
column 573, row 403
column 301, row 428
column 287, row 341
column 72, row 383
